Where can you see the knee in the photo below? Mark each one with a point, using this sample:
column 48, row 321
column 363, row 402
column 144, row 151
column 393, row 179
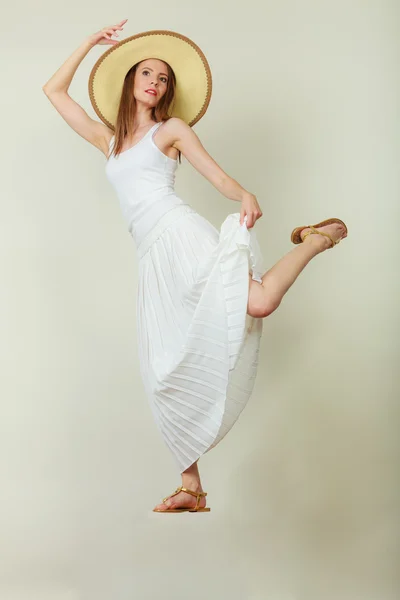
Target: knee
column 264, row 308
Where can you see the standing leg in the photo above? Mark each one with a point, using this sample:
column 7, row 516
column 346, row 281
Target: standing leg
column 266, row 297
column 191, row 481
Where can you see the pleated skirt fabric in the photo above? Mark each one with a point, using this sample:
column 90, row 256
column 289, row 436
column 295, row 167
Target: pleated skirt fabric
column 198, row 348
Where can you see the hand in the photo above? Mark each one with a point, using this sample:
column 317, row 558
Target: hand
column 104, row 35
column 251, row 208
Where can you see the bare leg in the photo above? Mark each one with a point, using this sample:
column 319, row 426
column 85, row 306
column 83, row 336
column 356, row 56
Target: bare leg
column 266, row 297
column 191, row 481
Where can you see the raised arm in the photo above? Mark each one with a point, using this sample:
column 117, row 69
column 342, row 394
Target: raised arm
column 56, row 89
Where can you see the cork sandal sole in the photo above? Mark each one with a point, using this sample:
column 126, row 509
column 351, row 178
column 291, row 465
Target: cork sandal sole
column 296, row 237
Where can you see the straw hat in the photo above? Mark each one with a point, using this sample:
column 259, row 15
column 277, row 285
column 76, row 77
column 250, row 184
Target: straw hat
column 192, row 71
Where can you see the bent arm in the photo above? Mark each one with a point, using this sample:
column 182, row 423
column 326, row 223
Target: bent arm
column 185, row 139
column 62, row 78
column 56, row 89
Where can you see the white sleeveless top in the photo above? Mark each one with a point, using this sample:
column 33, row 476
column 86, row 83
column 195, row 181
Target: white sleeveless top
column 144, row 180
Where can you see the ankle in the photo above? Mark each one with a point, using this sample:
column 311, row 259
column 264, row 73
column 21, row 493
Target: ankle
column 317, row 242
column 192, row 484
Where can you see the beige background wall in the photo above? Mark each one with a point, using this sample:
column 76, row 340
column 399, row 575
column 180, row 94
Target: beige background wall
column 304, row 491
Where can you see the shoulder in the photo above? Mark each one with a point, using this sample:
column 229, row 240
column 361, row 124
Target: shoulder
column 177, row 131
column 176, row 124
column 176, row 121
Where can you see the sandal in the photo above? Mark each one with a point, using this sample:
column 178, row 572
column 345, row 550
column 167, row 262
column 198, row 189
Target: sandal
column 296, row 237
column 181, row 509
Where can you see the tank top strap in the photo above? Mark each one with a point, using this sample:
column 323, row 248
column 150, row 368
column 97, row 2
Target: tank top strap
column 149, row 134
column 155, row 127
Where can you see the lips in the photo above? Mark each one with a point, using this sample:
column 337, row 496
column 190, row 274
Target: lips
column 150, row 91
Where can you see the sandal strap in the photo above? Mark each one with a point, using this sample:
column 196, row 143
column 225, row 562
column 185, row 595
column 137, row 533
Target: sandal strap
column 193, row 493
column 198, row 495
column 313, row 230
column 173, row 494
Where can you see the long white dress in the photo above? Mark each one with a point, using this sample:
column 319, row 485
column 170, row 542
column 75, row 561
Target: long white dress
column 197, row 346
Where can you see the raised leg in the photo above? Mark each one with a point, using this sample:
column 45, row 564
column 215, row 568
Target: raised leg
column 265, row 298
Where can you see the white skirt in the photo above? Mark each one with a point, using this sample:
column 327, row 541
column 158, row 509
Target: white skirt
column 197, row 346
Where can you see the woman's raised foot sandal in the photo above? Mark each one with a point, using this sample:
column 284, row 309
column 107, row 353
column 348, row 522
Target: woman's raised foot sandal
column 197, row 508
column 296, row 233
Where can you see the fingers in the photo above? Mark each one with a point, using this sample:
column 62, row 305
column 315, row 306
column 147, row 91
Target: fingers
column 112, row 30
column 118, row 25
column 249, row 218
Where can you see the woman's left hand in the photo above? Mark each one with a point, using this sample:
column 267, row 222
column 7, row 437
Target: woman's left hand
column 251, row 208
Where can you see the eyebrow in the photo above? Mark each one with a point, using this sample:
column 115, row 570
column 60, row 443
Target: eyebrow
column 150, row 69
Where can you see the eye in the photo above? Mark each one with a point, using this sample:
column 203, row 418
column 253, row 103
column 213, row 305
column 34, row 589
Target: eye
column 164, row 78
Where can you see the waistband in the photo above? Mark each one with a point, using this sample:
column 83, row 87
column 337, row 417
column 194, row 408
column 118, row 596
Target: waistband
column 162, row 224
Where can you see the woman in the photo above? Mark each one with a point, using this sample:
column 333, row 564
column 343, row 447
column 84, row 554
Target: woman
column 199, row 306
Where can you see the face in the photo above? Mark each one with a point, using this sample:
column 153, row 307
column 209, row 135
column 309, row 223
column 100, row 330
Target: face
column 151, row 74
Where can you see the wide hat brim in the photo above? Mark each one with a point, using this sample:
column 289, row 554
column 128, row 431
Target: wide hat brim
column 192, row 71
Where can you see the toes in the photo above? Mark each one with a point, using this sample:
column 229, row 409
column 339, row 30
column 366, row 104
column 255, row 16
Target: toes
column 163, row 506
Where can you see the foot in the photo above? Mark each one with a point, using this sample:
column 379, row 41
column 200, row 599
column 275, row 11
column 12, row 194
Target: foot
column 335, row 230
column 183, row 499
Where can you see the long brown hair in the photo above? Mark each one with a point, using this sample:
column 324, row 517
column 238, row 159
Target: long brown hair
column 127, row 107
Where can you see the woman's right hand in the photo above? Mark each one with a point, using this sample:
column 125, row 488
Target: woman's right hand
column 104, row 35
